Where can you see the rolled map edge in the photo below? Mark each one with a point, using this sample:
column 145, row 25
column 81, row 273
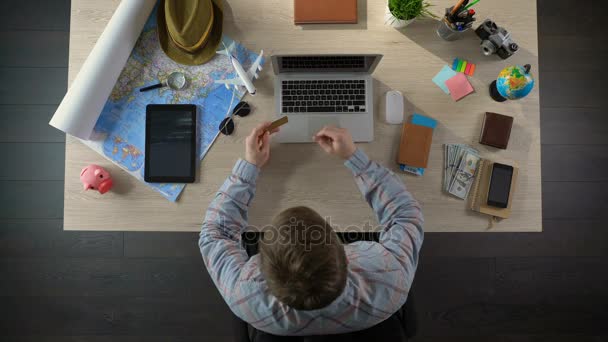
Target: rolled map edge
column 84, row 101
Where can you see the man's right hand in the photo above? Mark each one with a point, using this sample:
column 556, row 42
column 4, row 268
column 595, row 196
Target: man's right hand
column 257, row 145
column 336, row 141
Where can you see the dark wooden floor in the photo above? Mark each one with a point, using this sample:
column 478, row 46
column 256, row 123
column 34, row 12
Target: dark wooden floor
column 114, row 286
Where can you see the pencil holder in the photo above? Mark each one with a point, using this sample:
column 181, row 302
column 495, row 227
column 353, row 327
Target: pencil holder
column 445, row 30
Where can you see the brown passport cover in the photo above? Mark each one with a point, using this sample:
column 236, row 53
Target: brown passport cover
column 415, row 145
column 325, row 11
column 496, row 130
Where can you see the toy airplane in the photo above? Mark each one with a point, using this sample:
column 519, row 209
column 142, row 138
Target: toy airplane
column 245, row 79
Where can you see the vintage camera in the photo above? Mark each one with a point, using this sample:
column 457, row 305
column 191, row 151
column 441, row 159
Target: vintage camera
column 495, row 40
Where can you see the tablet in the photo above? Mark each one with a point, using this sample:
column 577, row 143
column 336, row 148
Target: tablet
column 170, row 155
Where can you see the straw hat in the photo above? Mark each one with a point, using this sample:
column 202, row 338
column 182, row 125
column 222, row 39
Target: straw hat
column 190, row 31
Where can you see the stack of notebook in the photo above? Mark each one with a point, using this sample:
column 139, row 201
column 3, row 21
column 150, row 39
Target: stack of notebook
column 415, row 146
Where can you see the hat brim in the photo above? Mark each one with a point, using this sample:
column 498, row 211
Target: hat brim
column 201, row 56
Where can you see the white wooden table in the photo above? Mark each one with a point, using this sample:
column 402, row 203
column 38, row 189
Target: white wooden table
column 302, row 174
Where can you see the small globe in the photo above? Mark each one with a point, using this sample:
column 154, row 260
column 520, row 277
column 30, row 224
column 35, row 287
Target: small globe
column 515, row 82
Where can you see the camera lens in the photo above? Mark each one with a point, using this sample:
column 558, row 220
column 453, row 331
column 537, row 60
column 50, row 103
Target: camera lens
column 487, row 47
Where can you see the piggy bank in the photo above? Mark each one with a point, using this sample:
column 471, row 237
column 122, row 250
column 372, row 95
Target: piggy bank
column 94, row 177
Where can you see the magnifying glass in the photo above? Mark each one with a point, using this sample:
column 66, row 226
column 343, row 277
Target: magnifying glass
column 175, row 81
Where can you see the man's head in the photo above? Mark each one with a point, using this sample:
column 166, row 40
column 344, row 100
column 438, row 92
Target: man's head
column 303, row 260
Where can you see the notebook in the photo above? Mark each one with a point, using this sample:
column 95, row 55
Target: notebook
column 325, row 12
column 415, row 145
column 496, row 130
column 478, row 197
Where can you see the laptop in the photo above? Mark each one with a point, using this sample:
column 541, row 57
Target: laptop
column 319, row 90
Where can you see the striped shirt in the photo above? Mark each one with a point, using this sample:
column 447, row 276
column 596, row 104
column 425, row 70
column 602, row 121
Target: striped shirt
column 379, row 274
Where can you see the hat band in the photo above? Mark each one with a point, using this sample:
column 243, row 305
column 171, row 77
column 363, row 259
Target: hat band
column 202, row 41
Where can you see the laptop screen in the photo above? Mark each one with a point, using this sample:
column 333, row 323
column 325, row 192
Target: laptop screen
column 325, row 63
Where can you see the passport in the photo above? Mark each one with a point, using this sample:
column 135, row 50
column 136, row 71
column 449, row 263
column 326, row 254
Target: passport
column 421, row 120
column 415, row 145
column 496, row 130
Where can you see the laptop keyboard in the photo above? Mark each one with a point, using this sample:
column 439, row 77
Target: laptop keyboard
column 323, row 96
column 323, row 62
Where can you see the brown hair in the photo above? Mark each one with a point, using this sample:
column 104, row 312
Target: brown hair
column 302, row 260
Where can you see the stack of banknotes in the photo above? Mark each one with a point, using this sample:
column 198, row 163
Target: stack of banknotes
column 460, row 167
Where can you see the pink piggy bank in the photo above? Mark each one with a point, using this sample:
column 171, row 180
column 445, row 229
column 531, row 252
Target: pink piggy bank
column 95, row 177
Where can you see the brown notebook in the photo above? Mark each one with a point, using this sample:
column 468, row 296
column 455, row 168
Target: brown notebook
column 496, row 130
column 415, row 145
column 325, row 11
column 478, row 197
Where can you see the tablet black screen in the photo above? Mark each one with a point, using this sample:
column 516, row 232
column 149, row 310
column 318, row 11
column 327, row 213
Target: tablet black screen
column 170, row 143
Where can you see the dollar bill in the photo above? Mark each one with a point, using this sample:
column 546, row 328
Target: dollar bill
column 445, row 165
column 463, row 179
column 454, row 155
column 453, row 150
column 470, row 162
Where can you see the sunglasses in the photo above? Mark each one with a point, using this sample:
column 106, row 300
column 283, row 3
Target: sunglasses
column 242, row 109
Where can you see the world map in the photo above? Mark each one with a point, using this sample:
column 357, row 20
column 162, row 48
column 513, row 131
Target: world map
column 119, row 133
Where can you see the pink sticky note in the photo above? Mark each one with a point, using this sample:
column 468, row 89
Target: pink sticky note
column 459, row 86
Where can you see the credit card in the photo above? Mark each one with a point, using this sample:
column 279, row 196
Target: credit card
column 277, row 123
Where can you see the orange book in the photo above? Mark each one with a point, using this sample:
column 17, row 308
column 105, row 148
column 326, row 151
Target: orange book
column 325, row 12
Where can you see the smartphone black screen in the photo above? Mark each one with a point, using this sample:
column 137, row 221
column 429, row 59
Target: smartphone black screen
column 170, row 144
column 500, row 185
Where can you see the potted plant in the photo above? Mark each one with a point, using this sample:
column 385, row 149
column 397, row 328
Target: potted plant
column 400, row 13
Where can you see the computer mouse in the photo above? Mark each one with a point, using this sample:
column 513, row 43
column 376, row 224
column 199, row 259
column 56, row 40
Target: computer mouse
column 394, row 114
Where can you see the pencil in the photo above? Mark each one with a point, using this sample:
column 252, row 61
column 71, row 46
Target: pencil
column 455, row 8
column 471, row 4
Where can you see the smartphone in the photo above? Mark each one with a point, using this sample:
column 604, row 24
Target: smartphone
column 170, row 144
column 500, row 185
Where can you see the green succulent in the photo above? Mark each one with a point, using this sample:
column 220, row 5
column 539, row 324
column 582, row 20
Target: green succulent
column 410, row 9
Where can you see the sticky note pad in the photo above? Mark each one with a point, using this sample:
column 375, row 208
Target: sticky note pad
column 463, row 67
column 459, row 86
column 445, row 74
column 472, row 71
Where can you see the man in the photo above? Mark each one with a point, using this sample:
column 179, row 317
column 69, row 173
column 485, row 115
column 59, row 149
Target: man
column 304, row 281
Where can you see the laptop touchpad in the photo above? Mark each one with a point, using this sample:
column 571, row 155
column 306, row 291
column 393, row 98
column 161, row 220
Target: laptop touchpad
column 316, row 123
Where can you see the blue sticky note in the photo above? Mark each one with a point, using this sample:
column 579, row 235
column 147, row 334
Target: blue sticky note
column 422, row 120
column 455, row 65
column 445, row 74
